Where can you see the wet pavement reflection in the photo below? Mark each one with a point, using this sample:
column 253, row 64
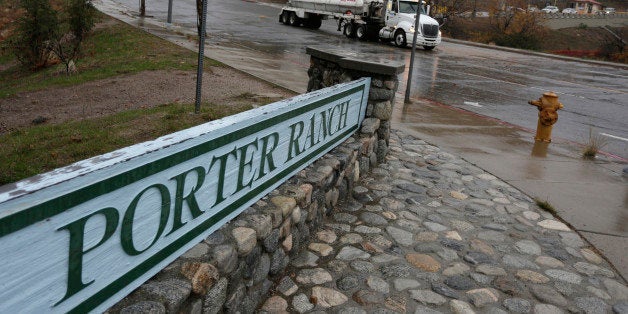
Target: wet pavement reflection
column 462, row 83
column 540, row 149
column 485, row 81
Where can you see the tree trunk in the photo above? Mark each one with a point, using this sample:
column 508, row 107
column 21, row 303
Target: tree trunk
column 142, row 7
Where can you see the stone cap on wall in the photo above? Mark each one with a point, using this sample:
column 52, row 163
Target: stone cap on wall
column 363, row 61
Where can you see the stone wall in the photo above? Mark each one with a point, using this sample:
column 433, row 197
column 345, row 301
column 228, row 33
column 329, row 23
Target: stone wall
column 558, row 21
column 234, row 269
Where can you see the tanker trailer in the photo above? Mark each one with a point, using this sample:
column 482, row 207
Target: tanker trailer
column 386, row 20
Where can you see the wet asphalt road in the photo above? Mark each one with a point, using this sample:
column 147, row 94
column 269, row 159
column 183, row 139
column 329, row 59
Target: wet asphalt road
column 489, row 82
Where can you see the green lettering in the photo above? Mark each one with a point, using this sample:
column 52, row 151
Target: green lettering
column 331, row 118
column 190, row 199
column 294, row 140
column 310, row 134
column 77, row 251
column 344, row 110
column 323, row 126
column 221, row 174
column 243, row 163
column 126, row 232
column 267, row 154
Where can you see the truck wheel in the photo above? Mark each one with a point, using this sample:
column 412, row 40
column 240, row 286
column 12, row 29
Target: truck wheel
column 400, row 38
column 349, row 30
column 429, row 47
column 360, row 32
column 283, row 18
column 293, row 19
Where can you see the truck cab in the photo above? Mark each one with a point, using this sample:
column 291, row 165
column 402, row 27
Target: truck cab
column 400, row 21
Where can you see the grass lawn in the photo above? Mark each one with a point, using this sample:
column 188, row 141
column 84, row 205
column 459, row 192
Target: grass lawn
column 46, row 147
column 112, row 49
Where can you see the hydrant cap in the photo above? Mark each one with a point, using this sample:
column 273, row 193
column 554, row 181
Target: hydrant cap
column 550, row 94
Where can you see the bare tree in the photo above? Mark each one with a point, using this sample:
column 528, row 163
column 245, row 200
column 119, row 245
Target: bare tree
column 503, row 14
column 446, row 9
column 612, row 45
column 515, row 27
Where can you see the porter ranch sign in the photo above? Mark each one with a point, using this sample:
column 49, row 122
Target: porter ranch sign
column 80, row 238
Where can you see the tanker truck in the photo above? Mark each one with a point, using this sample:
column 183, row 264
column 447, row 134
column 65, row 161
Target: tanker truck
column 386, row 20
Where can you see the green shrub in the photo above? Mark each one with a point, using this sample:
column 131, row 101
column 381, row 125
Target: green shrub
column 612, row 44
column 456, row 28
column 518, row 40
column 81, row 15
column 42, row 31
column 518, row 30
column 35, row 30
column 78, row 21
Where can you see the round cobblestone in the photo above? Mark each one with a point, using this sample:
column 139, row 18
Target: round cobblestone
column 517, row 305
column 440, row 235
column 460, row 282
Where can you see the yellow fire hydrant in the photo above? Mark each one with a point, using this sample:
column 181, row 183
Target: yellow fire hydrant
column 548, row 106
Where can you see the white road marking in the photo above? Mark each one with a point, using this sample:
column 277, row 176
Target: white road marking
column 615, row 137
column 474, row 104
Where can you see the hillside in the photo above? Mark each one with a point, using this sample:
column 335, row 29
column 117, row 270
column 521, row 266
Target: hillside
column 581, row 41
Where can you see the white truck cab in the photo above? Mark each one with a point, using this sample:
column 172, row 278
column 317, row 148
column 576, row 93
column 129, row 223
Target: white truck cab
column 400, row 21
column 388, row 20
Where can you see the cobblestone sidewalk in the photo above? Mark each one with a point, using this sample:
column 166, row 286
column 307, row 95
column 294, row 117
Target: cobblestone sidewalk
column 431, row 233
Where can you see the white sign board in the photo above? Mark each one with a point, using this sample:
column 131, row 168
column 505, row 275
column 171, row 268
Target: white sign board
column 82, row 237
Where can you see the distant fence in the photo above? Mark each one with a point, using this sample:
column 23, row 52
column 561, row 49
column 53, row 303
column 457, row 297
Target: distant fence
column 619, row 15
column 563, row 20
column 559, row 20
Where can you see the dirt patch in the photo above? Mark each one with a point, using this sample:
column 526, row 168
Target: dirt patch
column 143, row 90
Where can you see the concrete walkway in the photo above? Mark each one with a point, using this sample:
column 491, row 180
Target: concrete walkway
column 590, row 196
column 429, row 232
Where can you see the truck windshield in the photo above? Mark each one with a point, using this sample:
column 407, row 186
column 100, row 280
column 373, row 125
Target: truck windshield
column 409, row 7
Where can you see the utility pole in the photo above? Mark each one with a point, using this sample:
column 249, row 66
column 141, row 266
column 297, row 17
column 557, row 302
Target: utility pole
column 199, row 15
column 169, row 11
column 142, row 7
column 201, row 56
column 409, row 84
